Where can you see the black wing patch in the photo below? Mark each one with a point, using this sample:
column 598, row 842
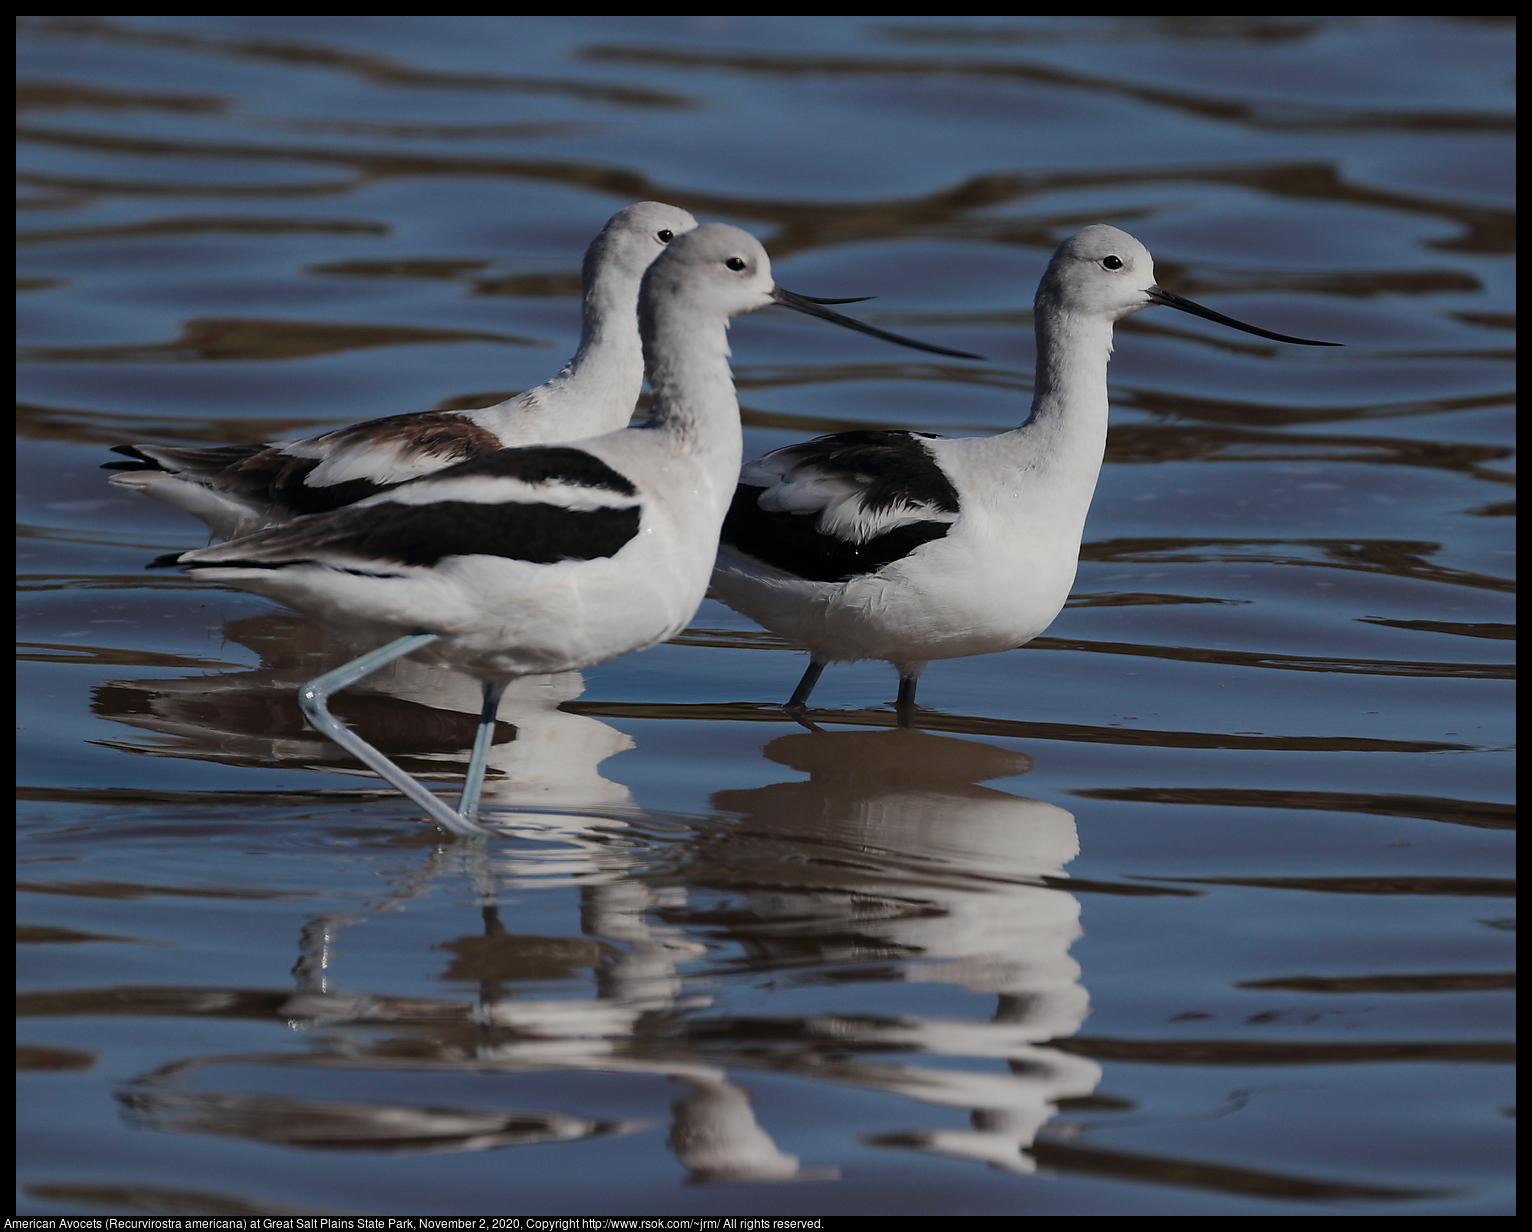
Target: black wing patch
column 889, row 468
column 423, row 535
column 540, row 534
column 893, row 467
column 542, row 464
column 790, row 541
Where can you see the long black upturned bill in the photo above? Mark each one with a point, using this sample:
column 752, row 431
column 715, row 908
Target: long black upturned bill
column 855, row 299
column 1158, row 295
column 802, row 303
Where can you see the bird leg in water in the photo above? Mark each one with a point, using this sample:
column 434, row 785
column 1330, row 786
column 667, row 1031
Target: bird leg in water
column 473, row 784
column 904, row 707
column 313, row 696
column 800, row 698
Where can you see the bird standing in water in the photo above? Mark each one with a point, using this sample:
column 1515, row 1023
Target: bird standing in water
column 546, row 558
column 908, row 546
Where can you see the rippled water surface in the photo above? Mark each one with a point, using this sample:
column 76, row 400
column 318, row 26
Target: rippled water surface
column 1198, row 904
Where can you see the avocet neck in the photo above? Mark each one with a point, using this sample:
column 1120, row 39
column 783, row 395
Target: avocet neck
column 691, row 390
column 609, row 357
column 1066, row 431
column 596, row 390
column 1070, row 385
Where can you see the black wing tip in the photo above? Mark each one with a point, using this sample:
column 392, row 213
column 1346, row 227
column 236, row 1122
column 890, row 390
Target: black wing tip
column 168, row 561
column 140, row 460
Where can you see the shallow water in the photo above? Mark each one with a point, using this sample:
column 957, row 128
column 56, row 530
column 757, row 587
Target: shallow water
column 1195, row 905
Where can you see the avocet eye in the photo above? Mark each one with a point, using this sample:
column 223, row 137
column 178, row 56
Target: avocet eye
column 665, row 236
column 1111, row 263
column 735, row 263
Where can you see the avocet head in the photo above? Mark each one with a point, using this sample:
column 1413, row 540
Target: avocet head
column 713, row 268
column 634, row 236
column 1101, row 271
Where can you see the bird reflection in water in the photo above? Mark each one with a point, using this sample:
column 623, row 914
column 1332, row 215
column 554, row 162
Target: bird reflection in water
column 562, row 822
column 890, row 863
column 893, row 863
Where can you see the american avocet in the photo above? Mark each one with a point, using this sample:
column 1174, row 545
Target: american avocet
column 237, row 489
column 908, row 547
column 545, row 558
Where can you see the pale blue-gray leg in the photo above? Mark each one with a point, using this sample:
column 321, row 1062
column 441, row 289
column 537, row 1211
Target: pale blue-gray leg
column 312, row 698
column 468, row 806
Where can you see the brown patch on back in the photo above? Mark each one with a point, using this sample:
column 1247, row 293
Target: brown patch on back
column 276, row 478
column 439, row 432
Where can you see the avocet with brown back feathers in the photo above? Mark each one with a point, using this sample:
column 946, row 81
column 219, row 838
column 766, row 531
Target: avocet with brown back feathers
column 907, row 546
column 546, row 558
column 237, row 489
